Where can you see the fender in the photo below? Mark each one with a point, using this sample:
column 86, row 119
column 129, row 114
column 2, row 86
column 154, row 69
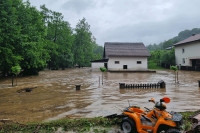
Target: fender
column 136, row 118
column 162, row 121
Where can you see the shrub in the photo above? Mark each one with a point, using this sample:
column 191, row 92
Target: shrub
column 103, row 69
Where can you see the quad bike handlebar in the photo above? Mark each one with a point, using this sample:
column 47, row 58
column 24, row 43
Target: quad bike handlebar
column 164, row 99
column 160, row 105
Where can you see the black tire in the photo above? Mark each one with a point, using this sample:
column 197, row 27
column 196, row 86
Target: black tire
column 173, row 130
column 197, row 129
column 128, row 125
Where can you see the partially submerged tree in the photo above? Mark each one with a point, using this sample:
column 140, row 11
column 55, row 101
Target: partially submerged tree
column 15, row 70
column 175, row 69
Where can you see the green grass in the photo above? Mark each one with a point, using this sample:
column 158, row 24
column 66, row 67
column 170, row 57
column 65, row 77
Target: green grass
column 186, row 119
column 76, row 125
column 96, row 125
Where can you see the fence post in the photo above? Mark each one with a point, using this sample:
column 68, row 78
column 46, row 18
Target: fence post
column 121, row 85
column 78, row 87
column 162, row 84
column 199, row 83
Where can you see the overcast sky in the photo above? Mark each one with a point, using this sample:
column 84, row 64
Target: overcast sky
column 147, row 21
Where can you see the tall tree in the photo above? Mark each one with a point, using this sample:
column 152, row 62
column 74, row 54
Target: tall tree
column 60, row 34
column 32, row 46
column 83, row 49
column 9, row 35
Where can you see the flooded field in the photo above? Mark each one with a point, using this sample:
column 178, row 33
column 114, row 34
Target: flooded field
column 56, row 97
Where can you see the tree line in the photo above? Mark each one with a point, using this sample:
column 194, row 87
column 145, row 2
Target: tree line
column 36, row 39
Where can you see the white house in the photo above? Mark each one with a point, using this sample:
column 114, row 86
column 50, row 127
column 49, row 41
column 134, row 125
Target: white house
column 187, row 52
column 124, row 57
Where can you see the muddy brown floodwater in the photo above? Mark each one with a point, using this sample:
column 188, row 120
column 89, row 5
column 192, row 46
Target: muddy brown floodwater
column 56, row 97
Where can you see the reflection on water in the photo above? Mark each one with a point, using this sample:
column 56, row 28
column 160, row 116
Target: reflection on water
column 55, row 96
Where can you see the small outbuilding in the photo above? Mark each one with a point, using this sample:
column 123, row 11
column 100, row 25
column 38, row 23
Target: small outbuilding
column 96, row 64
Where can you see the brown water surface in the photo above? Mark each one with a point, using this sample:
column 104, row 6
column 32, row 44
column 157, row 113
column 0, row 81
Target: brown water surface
column 55, row 96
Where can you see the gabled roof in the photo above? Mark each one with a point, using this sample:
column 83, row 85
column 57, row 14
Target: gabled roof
column 123, row 49
column 193, row 38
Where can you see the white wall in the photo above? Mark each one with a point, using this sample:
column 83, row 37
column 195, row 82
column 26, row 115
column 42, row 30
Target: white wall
column 96, row 66
column 131, row 62
column 191, row 51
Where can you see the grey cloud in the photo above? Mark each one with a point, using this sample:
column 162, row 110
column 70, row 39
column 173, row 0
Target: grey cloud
column 148, row 21
column 152, row 32
column 78, row 5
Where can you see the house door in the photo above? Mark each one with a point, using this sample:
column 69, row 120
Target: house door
column 125, row 67
column 106, row 65
column 193, row 63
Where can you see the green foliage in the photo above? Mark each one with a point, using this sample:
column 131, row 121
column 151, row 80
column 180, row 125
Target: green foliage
column 168, row 57
column 22, row 41
column 59, row 39
column 36, row 39
column 16, row 69
column 103, row 69
column 77, row 125
column 161, row 56
column 32, row 43
column 187, row 123
column 83, row 44
column 174, row 68
column 153, row 65
column 10, row 35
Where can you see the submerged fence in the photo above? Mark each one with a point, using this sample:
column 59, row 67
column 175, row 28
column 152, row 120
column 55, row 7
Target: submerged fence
column 187, row 68
column 160, row 84
column 190, row 68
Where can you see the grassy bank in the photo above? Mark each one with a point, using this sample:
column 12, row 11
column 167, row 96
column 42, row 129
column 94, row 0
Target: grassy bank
column 99, row 124
column 96, row 125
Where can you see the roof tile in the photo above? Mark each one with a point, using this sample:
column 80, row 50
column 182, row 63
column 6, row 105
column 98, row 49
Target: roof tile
column 190, row 39
column 122, row 49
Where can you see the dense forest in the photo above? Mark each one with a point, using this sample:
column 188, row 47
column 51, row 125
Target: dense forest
column 32, row 39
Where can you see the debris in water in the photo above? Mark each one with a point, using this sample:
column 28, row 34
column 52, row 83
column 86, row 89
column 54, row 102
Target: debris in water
column 26, row 90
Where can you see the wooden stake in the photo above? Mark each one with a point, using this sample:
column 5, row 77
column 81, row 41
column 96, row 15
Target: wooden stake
column 12, row 80
column 99, row 80
column 102, row 78
column 175, row 75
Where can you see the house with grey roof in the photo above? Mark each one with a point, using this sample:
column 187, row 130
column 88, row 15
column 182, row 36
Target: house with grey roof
column 120, row 56
column 187, row 52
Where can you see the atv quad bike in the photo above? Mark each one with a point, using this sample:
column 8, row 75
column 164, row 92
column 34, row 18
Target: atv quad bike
column 158, row 120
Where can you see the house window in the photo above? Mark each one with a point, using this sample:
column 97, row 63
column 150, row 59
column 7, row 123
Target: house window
column 183, row 60
column 116, row 62
column 183, row 50
column 139, row 62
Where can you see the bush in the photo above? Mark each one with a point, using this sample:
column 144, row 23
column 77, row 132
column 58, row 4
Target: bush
column 103, row 69
column 175, row 68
